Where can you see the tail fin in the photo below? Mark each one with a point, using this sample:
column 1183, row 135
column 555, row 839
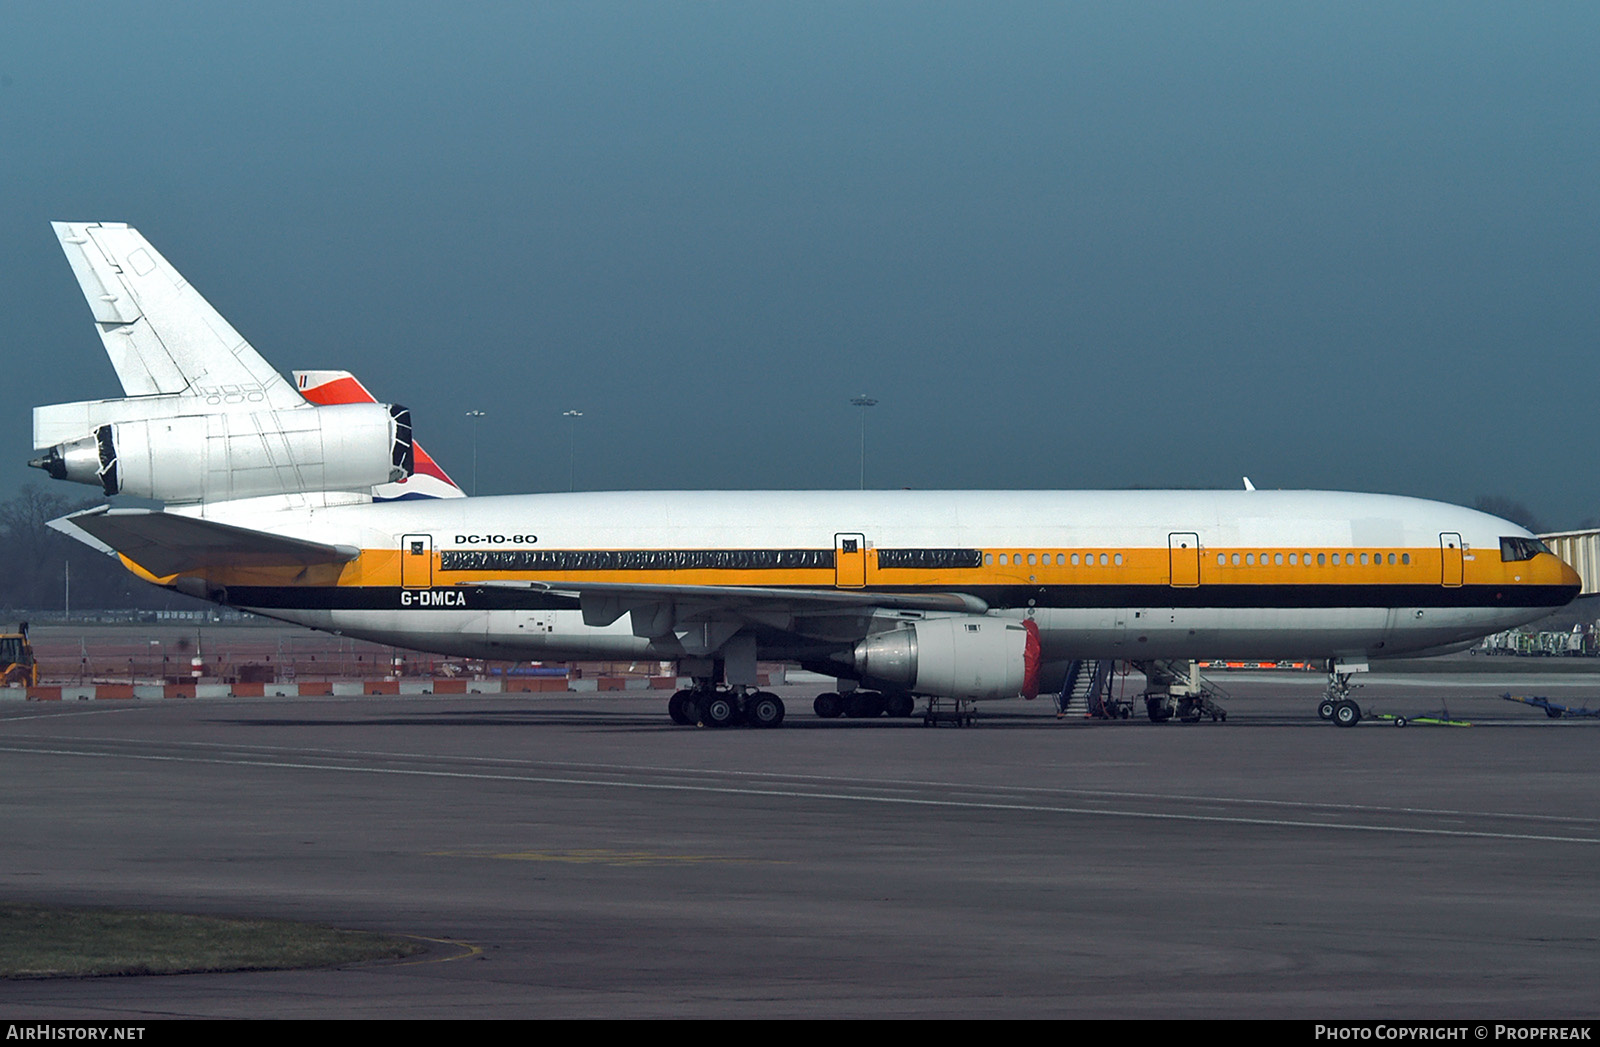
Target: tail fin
column 342, row 387
column 206, row 419
column 162, row 336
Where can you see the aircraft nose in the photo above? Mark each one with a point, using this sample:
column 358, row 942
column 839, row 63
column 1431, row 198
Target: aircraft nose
column 1569, row 576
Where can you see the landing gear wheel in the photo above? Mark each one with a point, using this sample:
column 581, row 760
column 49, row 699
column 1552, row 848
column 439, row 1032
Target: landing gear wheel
column 719, row 710
column 898, row 704
column 1347, row 713
column 763, row 709
column 1325, row 709
column 860, row 705
column 828, row 705
column 681, row 708
column 1157, row 709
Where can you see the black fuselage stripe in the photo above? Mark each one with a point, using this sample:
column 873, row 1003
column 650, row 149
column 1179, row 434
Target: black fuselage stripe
column 1215, row 597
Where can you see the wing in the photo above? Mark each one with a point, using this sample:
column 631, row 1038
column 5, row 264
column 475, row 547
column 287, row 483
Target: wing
column 166, row 543
column 162, row 336
column 703, row 616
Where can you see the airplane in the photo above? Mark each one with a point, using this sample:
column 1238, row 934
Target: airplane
column 309, row 502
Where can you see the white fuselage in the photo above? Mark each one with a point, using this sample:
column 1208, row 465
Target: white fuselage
column 1107, row 574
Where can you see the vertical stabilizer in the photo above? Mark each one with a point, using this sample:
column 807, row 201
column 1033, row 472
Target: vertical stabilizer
column 162, row 337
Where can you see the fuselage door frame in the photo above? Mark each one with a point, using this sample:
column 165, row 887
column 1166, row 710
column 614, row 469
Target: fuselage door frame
column 1452, row 559
column 416, row 561
column 850, row 561
column 1183, row 551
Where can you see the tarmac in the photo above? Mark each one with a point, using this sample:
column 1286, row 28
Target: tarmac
column 576, row 855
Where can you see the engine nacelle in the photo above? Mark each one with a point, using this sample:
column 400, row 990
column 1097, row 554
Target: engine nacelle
column 241, row 454
column 965, row 656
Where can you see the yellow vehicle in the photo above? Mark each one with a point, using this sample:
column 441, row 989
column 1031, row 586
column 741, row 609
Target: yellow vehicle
column 16, row 659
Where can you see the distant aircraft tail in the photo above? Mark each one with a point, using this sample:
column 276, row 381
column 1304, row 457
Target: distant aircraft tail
column 341, row 387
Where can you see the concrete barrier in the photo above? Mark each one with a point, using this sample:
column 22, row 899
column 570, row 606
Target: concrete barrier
column 344, row 688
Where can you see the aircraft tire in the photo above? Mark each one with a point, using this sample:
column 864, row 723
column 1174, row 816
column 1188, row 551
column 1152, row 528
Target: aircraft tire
column 863, row 705
column 828, row 705
column 1157, row 710
column 1325, row 709
column 1347, row 713
column 898, row 704
column 679, row 708
column 764, row 709
column 719, row 710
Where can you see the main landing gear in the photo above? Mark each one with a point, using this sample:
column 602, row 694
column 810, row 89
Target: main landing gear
column 1336, row 704
column 862, row 705
column 725, row 707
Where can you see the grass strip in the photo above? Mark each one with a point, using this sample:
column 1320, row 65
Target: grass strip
column 47, row 942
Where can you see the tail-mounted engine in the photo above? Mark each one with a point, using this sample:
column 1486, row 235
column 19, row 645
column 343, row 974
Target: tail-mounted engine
column 233, row 454
column 964, row 656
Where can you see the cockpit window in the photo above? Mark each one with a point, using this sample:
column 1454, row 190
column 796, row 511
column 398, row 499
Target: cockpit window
column 1513, row 550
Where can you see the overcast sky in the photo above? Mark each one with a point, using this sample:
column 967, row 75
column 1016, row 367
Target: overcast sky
column 1342, row 245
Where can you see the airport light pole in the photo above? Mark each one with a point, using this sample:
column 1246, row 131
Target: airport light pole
column 475, row 415
column 863, row 401
column 572, row 448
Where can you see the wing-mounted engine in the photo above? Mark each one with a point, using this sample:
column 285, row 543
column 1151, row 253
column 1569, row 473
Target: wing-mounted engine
column 963, row 656
column 132, row 447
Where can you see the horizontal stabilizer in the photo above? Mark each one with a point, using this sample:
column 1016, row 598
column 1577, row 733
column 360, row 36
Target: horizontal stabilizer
column 166, row 543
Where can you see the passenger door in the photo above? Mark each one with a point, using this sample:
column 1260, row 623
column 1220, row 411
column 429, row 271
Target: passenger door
column 416, row 561
column 1183, row 551
column 850, row 561
column 1450, row 553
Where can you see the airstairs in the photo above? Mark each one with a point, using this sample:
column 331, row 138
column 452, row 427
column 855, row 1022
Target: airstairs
column 1086, row 691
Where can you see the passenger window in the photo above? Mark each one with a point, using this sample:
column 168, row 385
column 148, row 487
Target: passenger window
column 1250, row 559
column 1236, row 559
column 1391, row 559
column 1222, row 559
column 1003, row 560
column 1322, row 558
column 1074, row 559
column 1030, row 560
column 1102, row 559
column 1117, row 559
column 1277, row 558
column 1405, row 558
column 988, row 558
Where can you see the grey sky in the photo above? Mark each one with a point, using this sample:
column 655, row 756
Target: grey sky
column 1328, row 245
